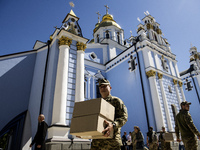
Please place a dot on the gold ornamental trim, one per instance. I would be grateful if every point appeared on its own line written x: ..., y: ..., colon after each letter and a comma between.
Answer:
x: 81, y: 46
x: 175, y: 81
x: 51, y: 38
x: 191, y: 59
x: 149, y: 26
x: 158, y: 31
x: 160, y: 75
x: 195, y: 56
x: 150, y: 73
x: 65, y: 41
x: 180, y: 83
x: 140, y: 28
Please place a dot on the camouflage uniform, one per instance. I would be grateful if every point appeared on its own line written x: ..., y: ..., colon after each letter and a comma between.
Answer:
x: 133, y: 138
x: 164, y: 145
x: 185, y: 124
x: 120, y: 119
x: 153, y: 142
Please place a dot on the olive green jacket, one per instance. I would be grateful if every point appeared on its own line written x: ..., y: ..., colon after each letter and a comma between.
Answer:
x: 185, y: 125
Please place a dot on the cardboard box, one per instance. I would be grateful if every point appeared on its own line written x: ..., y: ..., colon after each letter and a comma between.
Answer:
x: 168, y: 137
x: 88, y: 118
x: 94, y: 106
x: 89, y: 127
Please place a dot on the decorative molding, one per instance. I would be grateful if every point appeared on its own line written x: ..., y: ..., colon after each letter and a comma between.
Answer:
x: 159, y: 31
x: 80, y: 46
x: 160, y: 75
x: 196, y: 56
x: 180, y: 83
x: 140, y: 28
x: 51, y: 38
x: 149, y: 26
x: 65, y: 41
x: 150, y: 73
x: 175, y: 81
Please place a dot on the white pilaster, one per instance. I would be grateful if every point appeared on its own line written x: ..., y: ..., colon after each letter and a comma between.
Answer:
x: 112, y: 52
x: 165, y: 104
x: 79, y: 93
x: 155, y: 99
x: 182, y: 93
x: 148, y: 58
x: 89, y: 96
x: 198, y: 79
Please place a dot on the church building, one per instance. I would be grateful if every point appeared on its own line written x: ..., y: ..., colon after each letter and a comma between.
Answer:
x: 49, y: 79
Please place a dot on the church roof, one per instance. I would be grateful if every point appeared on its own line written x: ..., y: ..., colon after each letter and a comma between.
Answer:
x: 187, y: 71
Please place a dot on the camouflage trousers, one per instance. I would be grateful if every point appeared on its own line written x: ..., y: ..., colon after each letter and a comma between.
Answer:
x: 105, y: 144
x: 190, y: 143
x: 165, y: 146
x: 134, y: 146
x: 153, y: 146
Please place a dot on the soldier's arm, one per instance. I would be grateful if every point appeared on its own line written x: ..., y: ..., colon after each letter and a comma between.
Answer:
x: 140, y: 138
x: 177, y: 129
x: 190, y: 124
x: 122, y: 114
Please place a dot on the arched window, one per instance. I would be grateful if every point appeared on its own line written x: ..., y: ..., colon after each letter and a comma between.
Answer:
x: 107, y: 34
x: 155, y: 37
x: 174, y: 111
x: 97, y: 38
x: 118, y: 38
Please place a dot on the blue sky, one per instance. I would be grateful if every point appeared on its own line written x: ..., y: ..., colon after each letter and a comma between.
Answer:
x: 22, y: 22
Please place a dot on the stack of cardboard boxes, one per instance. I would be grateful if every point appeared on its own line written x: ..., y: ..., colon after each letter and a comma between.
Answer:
x: 88, y: 118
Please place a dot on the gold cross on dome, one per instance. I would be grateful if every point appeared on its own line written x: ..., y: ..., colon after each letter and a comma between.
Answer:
x: 106, y: 8
x: 98, y: 16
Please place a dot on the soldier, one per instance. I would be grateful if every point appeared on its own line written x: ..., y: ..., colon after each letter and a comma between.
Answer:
x: 120, y: 119
x: 185, y: 124
x: 133, y: 138
x: 152, y: 140
x: 164, y: 145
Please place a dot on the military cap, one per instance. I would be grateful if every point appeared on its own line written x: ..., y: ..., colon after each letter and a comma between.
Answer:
x: 137, y: 127
x: 103, y: 82
x: 186, y: 103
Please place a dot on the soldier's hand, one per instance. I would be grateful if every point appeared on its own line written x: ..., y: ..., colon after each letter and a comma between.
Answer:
x: 178, y: 140
x: 107, y: 131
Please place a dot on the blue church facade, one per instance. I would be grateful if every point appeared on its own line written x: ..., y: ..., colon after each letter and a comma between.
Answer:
x: 142, y: 70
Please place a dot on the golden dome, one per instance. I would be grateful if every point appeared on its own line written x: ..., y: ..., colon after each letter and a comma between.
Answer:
x: 107, y: 17
x: 107, y: 20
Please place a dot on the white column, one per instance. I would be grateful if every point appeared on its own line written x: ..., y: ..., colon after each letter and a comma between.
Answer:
x: 60, y: 95
x: 177, y: 92
x: 182, y: 93
x: 79, y: 93
x: 89, y: 96
x: 94, y: 86
x: 198, y: 79
x: 165, y: 103
x: 155, y: 99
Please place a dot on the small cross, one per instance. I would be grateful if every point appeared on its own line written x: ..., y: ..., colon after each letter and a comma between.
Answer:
x: 98, y: 16
x: 131, y: 33
x: 106, y: 8
x: 71, y: 4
